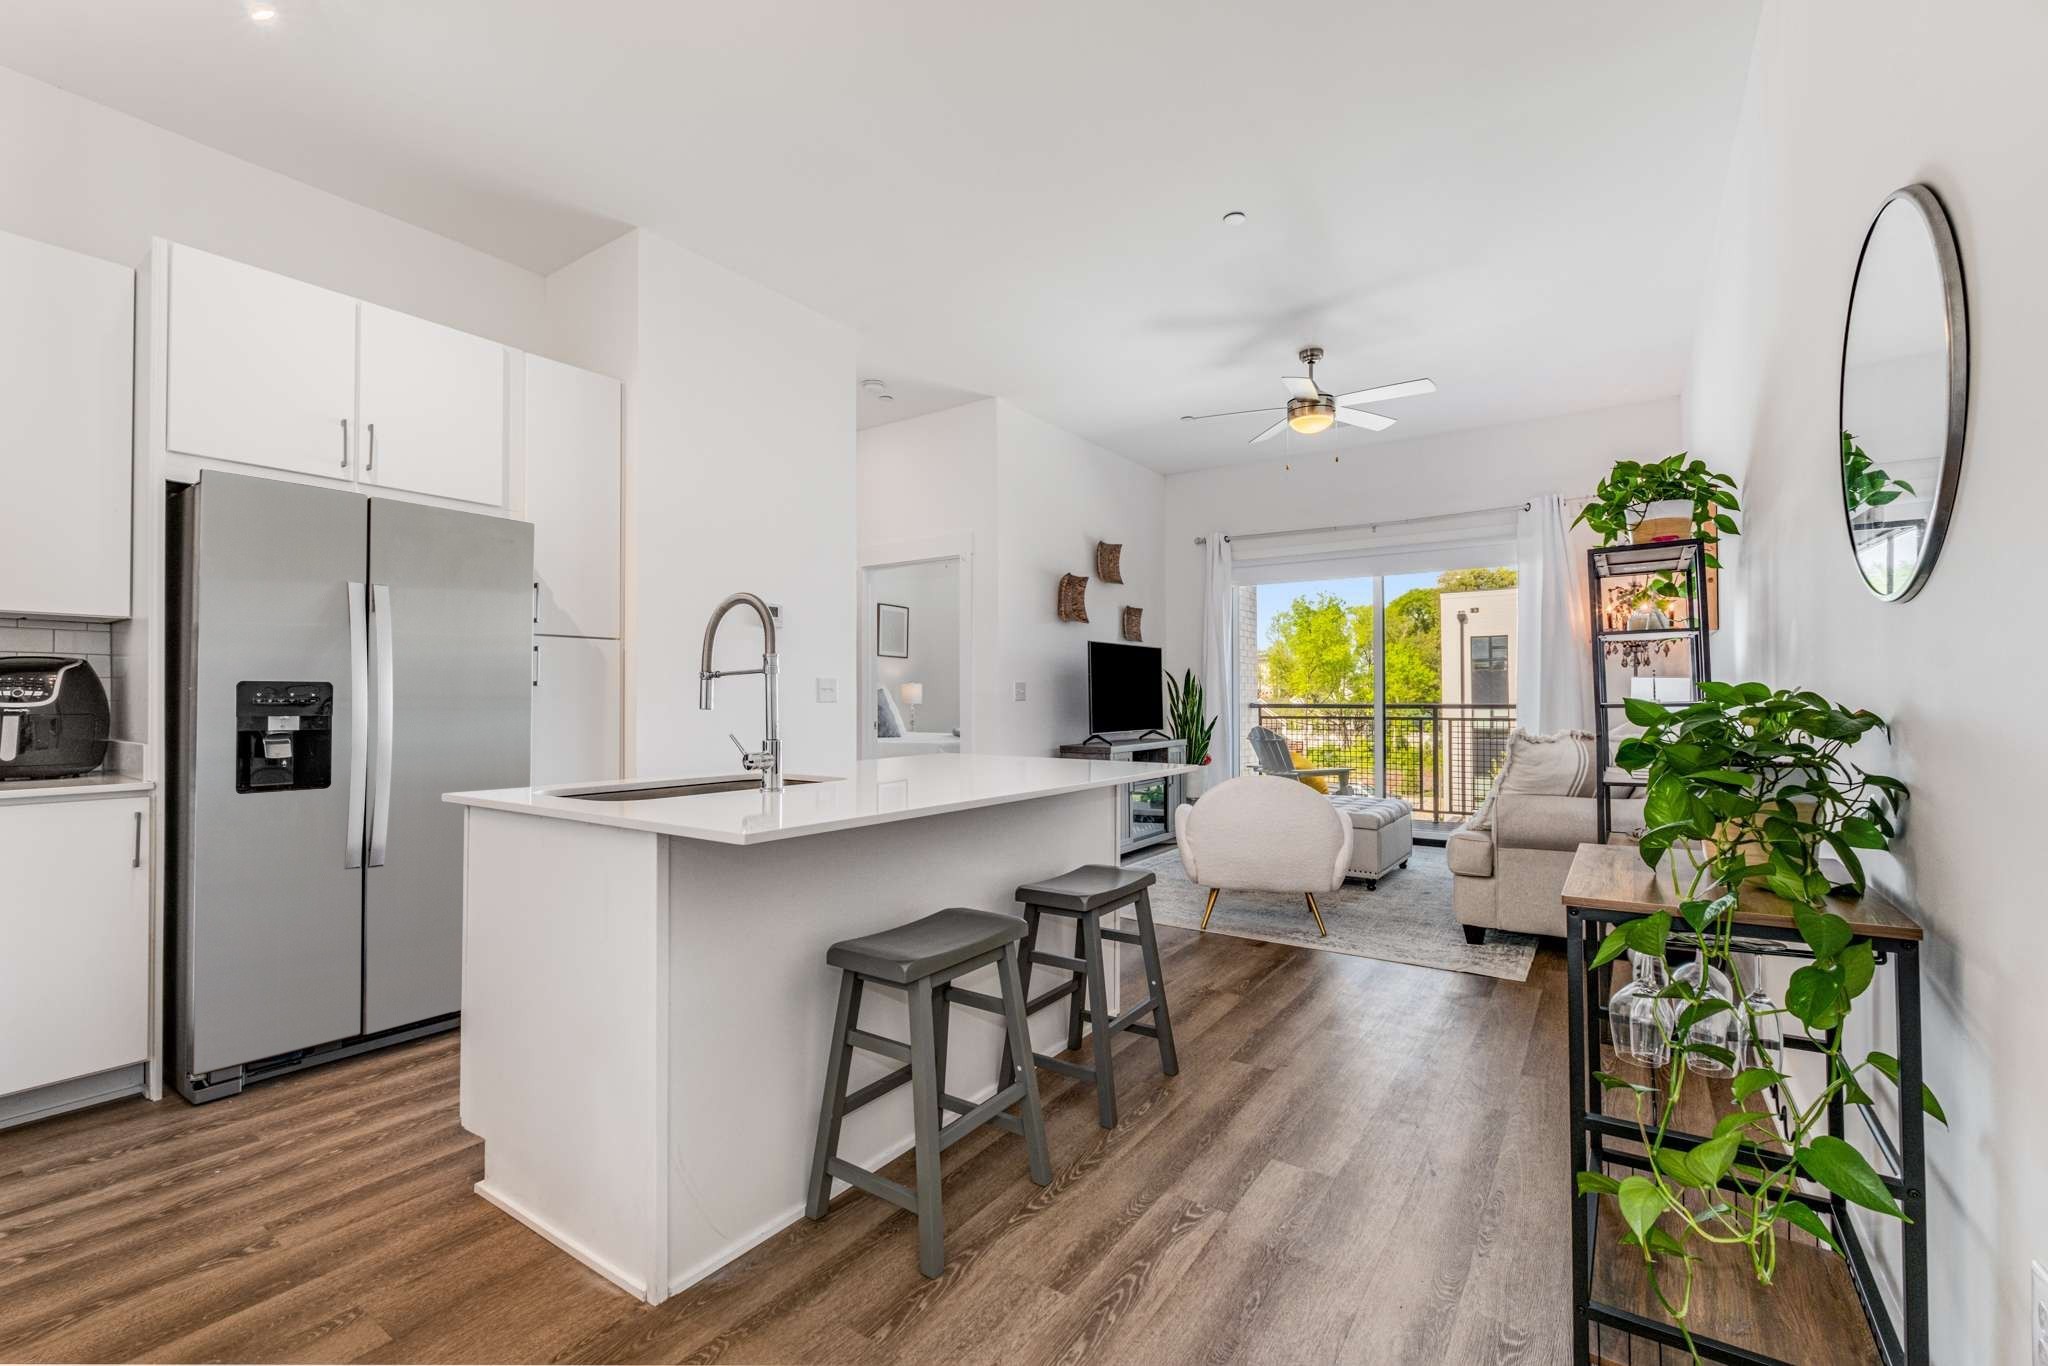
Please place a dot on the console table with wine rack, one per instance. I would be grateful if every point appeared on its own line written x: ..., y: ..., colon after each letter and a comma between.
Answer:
x: 1837, y: 1311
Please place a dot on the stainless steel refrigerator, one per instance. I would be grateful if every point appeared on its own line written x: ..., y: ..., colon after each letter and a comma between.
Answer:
x: 336, y: 662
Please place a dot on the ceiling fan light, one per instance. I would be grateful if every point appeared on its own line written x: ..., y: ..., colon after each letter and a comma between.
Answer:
x: 1309, y: 416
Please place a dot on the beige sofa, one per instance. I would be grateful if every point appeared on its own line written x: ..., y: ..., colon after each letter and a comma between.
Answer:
x: 1510, y: 876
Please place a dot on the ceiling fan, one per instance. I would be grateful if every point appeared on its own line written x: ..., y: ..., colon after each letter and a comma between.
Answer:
x: 1311, y: 410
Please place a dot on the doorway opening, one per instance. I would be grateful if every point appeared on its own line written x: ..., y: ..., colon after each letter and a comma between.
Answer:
x: 915, y: 689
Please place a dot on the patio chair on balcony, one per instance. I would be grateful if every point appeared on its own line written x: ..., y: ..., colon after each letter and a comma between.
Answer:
x: 1383, y: 827
x: 1278, y: 760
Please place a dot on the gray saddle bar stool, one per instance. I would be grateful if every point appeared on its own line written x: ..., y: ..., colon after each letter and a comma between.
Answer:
x: 924, y: 957
x: 1088, y: 893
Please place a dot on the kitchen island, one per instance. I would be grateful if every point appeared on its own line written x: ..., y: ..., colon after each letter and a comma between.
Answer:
x: 645, y: 999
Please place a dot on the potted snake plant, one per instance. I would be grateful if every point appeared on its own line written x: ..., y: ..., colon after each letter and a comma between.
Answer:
x: 1188, y: 717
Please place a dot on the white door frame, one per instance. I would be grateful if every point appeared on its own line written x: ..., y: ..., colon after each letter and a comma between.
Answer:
x: 958, y: 546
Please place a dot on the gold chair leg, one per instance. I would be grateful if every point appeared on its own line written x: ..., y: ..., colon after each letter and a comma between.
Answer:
x: 1317, y: 912
x: 1210, y: 909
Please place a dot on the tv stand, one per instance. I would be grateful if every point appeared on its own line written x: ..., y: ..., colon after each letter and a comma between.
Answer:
x: 1148, y: 806
x: 1100, y: 740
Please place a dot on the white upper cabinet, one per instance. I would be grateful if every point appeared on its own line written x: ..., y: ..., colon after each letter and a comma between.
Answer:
x: 67, y: 356
x: 433, y: 408
x: 261, y: 370
x: 572, y: 497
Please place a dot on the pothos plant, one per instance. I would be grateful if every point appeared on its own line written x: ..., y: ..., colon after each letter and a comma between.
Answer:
x: 1187, y: 712
x: 1623, y: 498
x: 1749, y: 784
x: 1863, y: 483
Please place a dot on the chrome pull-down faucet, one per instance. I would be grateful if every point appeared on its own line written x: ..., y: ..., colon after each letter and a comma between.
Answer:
x: 767, y: 761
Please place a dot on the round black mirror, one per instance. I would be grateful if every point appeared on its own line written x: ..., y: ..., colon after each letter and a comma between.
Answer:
x: 1905, y: 392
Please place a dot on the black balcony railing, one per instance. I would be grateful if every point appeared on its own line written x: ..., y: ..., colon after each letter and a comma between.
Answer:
x: 1442, y: 757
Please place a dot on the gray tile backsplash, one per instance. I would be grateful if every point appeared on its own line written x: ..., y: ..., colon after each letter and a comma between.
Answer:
x: 90, y: 640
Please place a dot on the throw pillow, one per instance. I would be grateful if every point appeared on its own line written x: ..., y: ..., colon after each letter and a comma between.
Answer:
x: 1319, y: 782
x: 1559, y: 765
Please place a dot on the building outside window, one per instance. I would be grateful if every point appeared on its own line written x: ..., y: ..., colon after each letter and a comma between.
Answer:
x: 1490, y: 670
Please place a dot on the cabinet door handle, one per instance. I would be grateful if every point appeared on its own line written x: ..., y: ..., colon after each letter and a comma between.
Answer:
x: 137, y: 861
x: 370, y: 464
x: 536, y: 666
x: 536, y: 602
x: 344, y: 443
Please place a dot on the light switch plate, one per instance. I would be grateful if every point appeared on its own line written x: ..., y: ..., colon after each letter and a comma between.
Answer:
x: 1018, y: 696
x: 828, y: 690
x: 2037, y: 1327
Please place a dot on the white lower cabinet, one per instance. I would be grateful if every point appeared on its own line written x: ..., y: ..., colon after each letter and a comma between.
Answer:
x: 576, y: 710
x: 74, y: 939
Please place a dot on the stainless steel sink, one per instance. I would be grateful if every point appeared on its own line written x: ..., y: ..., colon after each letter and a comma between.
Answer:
x: 699, y: 788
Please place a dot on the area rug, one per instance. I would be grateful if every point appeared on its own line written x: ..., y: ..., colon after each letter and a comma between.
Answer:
x: 1406, y: 919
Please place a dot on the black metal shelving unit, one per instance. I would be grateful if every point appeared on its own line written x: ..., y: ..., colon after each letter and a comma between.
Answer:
x: 1897, y: 941
x: 1607, y: 568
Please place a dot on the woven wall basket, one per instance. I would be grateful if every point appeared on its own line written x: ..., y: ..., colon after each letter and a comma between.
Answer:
x: 1133, y: 623
x: 1109, y: 562
x: 1073, y: 597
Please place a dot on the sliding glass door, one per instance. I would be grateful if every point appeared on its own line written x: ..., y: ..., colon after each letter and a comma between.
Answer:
x: 1405, y: 682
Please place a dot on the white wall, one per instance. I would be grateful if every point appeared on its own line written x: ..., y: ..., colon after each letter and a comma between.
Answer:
x: 1849, y: 99
x: 926, y: 486
x: 740, y: 476
x: 1032, y: 500
x: 931, y: 593
x: 82, y: 176
x: 1455, y: 472
x: 593, y: 309
x: 1056, y: 496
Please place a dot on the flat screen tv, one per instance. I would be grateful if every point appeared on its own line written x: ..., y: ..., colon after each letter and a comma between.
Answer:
x: 1126, y: 689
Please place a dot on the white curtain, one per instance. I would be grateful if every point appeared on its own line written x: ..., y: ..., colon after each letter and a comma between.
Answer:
x: 1554, y: 675
x: 1219, y: 649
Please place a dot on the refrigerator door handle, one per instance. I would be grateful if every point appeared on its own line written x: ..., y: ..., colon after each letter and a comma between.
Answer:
x: 380, y: 810
x: 358, y: 722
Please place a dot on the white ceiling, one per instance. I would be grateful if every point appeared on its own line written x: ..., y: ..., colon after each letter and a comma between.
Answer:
x: 1023, y: 199
x: 908, y: 397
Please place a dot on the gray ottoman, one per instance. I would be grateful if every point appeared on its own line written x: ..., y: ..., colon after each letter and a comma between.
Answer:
x: 1382, y: 834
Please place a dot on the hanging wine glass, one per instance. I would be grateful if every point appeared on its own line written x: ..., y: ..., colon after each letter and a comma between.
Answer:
x: 1760, y: 1013
x: 1638, y: 1021
x: 1724, y: 1029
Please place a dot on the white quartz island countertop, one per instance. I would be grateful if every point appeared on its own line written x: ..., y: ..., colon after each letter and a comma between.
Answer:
x: 646, y: 996
x: 876, y: 792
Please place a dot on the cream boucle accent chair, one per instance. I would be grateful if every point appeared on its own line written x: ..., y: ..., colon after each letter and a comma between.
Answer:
x: 1263, y: 834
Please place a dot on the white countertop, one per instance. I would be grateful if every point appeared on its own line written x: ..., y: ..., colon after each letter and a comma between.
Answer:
x: 876, y: 792
x: 55, y: 789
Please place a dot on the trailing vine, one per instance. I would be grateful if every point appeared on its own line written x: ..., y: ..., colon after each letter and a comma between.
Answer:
x: 1749, y: 784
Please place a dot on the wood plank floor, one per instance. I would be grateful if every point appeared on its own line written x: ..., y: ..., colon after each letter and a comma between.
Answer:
x: 1359, y: 1162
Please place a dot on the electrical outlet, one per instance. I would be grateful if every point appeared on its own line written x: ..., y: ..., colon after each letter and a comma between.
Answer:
x: 828, y: 690
x: 1018, y: 694
x: 2038, y: 1328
